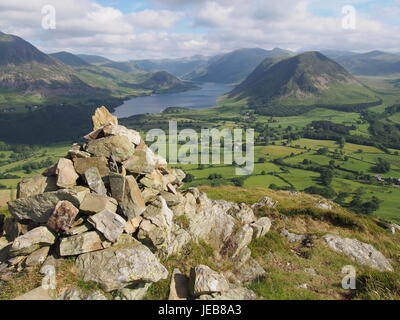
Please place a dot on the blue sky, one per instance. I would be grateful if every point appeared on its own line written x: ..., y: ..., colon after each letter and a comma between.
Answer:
x: 137, y: 29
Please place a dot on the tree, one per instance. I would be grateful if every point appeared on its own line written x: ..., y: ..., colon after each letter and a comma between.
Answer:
x: 326, y: 177
x: 262, y: 160
x: 322, y: 151
x: 214, y: 176
x: 381, y: 166
x: 238, y: 181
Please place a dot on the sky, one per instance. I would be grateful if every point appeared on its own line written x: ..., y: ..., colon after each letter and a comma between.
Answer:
x: 150, y: 29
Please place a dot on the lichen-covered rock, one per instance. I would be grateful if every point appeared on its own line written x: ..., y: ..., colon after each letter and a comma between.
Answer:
x: 117, y: 130
x: 81, y: 243
x: 360, y: 252
x: 31, y: 241
x: 204, y: 280
x: 261, y: 227
x: 120, y: 266
x: 32, y: 186
x: 133, y: 292
x: 95, y: 182
x: 39, y: 208
x: 37, y: 257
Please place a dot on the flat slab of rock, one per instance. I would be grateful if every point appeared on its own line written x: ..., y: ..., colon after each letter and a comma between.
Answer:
x: 117, y: 146
x: 95, y: 182
x: 36, y: 185
x: 40, y: 207
x: 204, y: 280
x: 81, y: 243
x: 117, y: 185
x: 37, y: 257
x: 265, y: 202
x: 66, y: 174
x: 94, y: 203
x: 83, y: 164
x: 120, y: 266
x: 110, y: 224
x: 32, y: 241
x: 360, y: 252
x: 63, y: 216
x: 235, y: 293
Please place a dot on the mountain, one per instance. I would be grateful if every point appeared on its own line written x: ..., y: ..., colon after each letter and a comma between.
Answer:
x: 70, y: 59
x: 163, y: 81
x: 306, y: 79
x: 177, y: 67
x: 233, y: 67
x: 92, y: 59
x: 27, y: 71
x: 372, y: 63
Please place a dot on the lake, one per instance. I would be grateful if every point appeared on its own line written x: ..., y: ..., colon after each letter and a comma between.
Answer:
x: 205, y: 97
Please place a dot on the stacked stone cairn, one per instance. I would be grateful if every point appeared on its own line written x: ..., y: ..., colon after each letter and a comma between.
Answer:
x: 117, y: 209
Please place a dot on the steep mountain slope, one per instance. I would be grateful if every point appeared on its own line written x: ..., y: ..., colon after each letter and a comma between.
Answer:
x: 371, y: 64
x: 69, y: 59
x: 234, y: 66
x: 25, y: 69
x: 177, y: 67
x: 306, y: 79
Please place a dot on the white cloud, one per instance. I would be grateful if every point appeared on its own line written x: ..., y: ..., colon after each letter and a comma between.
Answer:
x: 212, y: 26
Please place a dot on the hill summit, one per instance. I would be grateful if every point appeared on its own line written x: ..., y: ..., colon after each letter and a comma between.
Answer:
x: 306, y: 79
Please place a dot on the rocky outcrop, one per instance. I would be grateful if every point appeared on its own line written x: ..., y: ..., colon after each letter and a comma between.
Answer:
x: 116, y: 208
x: 360, y: 252
x: 120, y: 266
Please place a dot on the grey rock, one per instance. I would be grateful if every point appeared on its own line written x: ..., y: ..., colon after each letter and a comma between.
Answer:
x: 132, y: 204
x: 121, y: 265
x: 117, y: 185
x: 32, y: 241
x: 204, y: 280
x: 32, y: 186
x: 265, y: 202
x: 234, y: 293
x: 110, y: 224
x: 117, y: 146
x: 141, y: 162
x: 37, y: 294
x: 95, y: 182
x: 292, y: 237
x: 39, y: 208
x: 81, y: 243
x: 361, y: 252
x: 117, y: 130
x: 37, y: 257
x: 261, y: 227
x: 133, y: 292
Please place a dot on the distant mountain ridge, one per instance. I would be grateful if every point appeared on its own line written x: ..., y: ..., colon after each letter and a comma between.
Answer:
x: 233, y: 67
x: 306, y: 79
x: 372, y: 63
